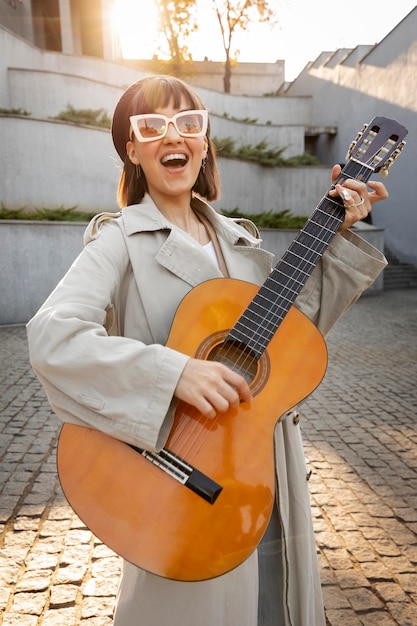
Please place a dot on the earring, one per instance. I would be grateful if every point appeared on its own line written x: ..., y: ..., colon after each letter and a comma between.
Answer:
x: 138, y: 171
x: 203, y: 165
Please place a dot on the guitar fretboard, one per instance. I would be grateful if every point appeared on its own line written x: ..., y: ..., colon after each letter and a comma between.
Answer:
x: 261, y: 319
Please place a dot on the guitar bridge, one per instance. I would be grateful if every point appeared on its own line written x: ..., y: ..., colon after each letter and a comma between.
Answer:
x: 184, y: 473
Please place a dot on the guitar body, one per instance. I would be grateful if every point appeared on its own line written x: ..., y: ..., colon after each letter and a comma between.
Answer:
x: 146, y: 515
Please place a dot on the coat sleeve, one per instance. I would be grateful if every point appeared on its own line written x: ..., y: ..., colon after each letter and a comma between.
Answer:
x: 349, y: 266
x: 116, y: 384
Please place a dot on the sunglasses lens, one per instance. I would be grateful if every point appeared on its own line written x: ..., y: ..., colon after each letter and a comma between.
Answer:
x: 151, y: 127
x: 190, y: 123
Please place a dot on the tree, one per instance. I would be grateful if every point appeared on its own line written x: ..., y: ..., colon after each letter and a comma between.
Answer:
x: 177, y: 21
x: 235, y: 15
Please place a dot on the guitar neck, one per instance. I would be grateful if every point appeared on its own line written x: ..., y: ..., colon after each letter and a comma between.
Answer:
x: 261, y: 319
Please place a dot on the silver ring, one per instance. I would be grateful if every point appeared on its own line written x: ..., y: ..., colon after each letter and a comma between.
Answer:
x: 346, y: 197
x: 362, y: 200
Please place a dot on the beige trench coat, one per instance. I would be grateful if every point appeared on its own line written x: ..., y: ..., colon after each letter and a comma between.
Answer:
x: 134, y: 271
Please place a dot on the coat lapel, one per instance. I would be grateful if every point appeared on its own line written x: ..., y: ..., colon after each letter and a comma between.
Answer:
x: 159, y: 252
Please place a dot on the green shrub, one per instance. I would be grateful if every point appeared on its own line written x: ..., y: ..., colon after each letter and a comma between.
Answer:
x: 270, y: 219
x: 89, y: 117
x: 261, y: 154
x: 60, y: 214
x: 267, y: 219
x: 14, y: 111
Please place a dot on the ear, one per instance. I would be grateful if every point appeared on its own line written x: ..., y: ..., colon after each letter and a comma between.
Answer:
x: 131, y: 152
x: 206, y: 145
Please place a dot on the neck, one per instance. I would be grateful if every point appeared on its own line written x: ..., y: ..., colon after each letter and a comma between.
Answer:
x: 177, y: 209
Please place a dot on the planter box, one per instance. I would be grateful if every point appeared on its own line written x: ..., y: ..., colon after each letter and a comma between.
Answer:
x: 34, y: 256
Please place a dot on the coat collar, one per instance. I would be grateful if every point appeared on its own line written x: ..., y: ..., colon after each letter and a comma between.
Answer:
x: 145, y: 217
x: 185, y: 258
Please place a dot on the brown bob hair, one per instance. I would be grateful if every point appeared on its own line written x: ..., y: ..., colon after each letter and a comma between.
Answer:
x: 145, y: 96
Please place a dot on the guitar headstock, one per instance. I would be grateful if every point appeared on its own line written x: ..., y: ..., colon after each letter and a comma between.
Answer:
x: 378, y: 144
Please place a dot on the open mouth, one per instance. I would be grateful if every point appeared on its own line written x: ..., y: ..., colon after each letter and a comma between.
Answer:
x: 174, y: 160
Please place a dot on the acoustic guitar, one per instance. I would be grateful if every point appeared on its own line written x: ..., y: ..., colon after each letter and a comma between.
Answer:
x: 199, y: 507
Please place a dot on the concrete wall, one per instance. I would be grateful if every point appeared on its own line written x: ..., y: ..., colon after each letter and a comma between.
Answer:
x: 248, y: 79
x: 34, y: 256
x: 17, y: 16
x: 51, y: 164
x: 25, y: 87
x: 33, y: 259
x: 378, y: 81
x: 47, y: 163
x: 281, y: 111
x: 250, y: 188
x: 29, y: 86
x: 19, y: 54
x: 290, y: 138
x: 338, y: 90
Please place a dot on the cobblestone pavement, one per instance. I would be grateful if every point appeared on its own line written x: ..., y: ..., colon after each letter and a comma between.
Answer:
x: 361, y: 445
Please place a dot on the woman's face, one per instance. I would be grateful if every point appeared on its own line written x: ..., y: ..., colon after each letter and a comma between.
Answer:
x: 171, y: 164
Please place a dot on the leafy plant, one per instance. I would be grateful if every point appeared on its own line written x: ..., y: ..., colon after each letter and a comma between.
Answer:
x: 59, y: 214
x: 261, y: 153
x: 14, y: 111
x: 89, y: 117
x: 270, y: 219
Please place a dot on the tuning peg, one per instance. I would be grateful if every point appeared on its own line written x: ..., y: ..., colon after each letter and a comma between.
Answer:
x: 394, y: 156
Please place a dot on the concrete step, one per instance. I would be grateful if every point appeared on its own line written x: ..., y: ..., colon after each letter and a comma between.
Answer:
x: 399, y: 275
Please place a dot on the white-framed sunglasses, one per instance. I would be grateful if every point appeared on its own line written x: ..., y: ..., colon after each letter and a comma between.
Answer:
x: 152, y: 126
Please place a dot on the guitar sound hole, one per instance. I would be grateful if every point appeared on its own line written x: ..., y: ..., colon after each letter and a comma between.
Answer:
x: 238, y: 357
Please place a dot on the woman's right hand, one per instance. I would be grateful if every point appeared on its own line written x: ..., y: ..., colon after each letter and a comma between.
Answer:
x: 211, y: 387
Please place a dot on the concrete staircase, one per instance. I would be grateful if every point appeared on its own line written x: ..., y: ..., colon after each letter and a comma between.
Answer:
x: 399, y: 275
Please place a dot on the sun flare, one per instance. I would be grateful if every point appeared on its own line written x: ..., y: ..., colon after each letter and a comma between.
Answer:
x: 136, y: 23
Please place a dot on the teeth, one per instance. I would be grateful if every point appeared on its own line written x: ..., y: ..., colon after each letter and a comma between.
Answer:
x: 173, y: 157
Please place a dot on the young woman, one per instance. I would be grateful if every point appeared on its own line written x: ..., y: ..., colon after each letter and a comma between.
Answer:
x: 132, y: 274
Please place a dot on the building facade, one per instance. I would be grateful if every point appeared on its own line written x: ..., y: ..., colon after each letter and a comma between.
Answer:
x: 60, y: 52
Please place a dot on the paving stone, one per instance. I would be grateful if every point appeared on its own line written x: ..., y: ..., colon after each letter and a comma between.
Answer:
x: 63, y: 595
x: 335, y: 598
x: 342, y: 617
x: 32, y: 603
x: 38, y: 581
x: 360, y: 436
x: 377, y: 618
x: 19, y: 619
x: 364, y: 600
x: 60, y: 617
x: 350, y: 579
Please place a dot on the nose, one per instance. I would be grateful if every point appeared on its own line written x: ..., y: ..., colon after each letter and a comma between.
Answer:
x: 172, y: 134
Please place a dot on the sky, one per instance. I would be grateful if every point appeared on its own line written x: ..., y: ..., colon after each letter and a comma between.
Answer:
x: 305, y: 28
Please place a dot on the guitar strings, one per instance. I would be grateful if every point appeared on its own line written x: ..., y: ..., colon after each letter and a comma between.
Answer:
x: 191, y: 424
x: 282, y: 301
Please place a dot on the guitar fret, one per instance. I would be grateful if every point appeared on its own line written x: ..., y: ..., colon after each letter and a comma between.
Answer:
x: 264, y: 314
x: 284, y: 286
x: 299, y: 256
x: 284, y: 261
x: 329, y: 230
x: 258, y: 318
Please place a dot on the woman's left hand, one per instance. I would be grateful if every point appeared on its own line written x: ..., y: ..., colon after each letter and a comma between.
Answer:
x: 358, y: 200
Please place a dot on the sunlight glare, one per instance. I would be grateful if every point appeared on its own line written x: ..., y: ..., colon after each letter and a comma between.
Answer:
x: 136, y: 23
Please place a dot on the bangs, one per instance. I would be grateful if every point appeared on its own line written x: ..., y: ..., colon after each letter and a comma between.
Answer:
x: 160, y: 92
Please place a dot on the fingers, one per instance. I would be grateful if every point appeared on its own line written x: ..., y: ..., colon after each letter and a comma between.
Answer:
x: 379, y: 191
x: 356, y: 196
x: 357, y: 206
x: 211, y: 387
x: 336, y: 169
